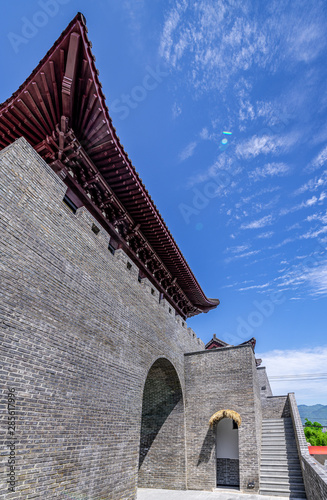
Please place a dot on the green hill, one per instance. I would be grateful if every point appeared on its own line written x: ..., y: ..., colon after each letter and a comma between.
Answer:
x: 314, y: 413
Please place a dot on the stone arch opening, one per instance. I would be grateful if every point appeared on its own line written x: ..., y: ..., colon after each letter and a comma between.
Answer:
x: 227, y: 423
x: 162, y: 443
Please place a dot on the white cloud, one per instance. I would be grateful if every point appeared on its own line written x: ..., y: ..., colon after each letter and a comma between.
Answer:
x: 319, y: 160
x: 217, y: 39
x: 188, y: 151
x: 254, y: 287
x: 312, y: 184
x: 220, y: 40
x: 301, y: 364
x: 257, y: 224
x: 269, y: 170
x: 268, y: 234
x: 266, y: 144
x: 237, y: 249
x: 305, y: 204
x: 170, y: 25
x: 322, y: 217
x: 223, y: 170
x: 309, y: 276
x: 242, y: 255
x: 204, y: 134
x: 314, y: 233
x: 176, y: 110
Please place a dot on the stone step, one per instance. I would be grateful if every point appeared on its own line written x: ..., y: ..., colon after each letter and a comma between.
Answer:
x: 274, y: 485
x: 282, y: 471
x: 280, y: 430
x: 279, y: 454
x: 281, y: 437
x: 293, y: 488
x: 277, y: 426
x: 277, y: 479
x: 281, y: 493
x: 281, y: 463
x: 273, y: 444
x: 278, y: 450
x: 278, y: 442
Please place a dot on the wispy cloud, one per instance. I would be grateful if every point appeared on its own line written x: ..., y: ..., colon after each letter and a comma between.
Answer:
x: 313, y: 184
x: 176, y: 110
x: 314, y: 233
x: 254, y: 287
x: 214, y: 40
x: 266, y: 144
x: 237, y: 249
x: 305, y: 204
x: 224, y: 168
x: 188, y: 151
x: 259, y: 223
x: 242, y: 255
x: 319, y: 160
x: 267, y: 234
x: 221, y: 41
x: 269, y: 170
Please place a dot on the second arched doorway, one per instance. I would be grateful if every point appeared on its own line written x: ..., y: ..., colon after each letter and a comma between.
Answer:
x: 226, y: 423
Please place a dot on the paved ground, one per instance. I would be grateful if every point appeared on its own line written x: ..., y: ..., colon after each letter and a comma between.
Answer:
x: 150, y: 494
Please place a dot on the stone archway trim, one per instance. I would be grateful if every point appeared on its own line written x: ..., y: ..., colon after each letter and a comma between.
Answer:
x: 219, y: 415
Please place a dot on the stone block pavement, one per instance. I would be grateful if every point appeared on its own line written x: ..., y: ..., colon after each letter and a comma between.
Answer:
x: 223, y: 494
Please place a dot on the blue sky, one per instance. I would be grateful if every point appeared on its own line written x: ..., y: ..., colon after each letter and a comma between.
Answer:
x: 247, y: 208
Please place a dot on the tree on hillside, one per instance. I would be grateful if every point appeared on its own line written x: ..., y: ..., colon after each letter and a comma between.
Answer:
x: 313, y: 433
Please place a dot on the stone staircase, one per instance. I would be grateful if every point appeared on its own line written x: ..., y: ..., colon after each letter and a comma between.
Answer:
x: 280, y: 473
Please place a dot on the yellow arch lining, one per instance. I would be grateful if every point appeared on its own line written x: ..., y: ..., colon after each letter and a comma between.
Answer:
x: 216, y: 417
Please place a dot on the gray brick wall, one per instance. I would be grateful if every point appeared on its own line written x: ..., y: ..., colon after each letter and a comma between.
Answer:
x: 221, y: 379
x: 314, y: 474
x: 162, y: 459
x: 228, y: 472
x: 275, y: 407
x: 79, y: 334
x: 264, y: 384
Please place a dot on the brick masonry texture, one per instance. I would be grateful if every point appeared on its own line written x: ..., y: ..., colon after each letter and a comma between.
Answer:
x: 275, y: 407
x: 314, y: 474
x: 111, y: 387
x: 162, y: 458
x: 79, y: 336
x: 215, y: 380
x: 228, y: 472
x: 265, y: 389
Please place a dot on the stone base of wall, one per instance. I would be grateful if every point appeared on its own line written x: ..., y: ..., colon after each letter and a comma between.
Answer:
x: 228, y: 472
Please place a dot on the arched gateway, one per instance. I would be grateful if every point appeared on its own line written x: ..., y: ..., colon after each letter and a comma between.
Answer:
x: 162, y: 443
x: 226, y: 424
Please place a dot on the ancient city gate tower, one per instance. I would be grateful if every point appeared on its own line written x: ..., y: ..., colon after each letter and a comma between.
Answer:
x: 112, y: 389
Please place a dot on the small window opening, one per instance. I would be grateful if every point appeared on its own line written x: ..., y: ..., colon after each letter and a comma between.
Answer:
x: 183, y: 323
x: 152, y: 291
x: 169, y: 310
x: 111, y: 249
x: 129, y: 266
x: 263, y: 388
x: 139, y: 279
x: 235, y: 426
x: 70, y: 204
x: 95, y: 229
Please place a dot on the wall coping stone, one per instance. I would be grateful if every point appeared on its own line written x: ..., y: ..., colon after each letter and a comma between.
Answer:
x: 207, y: 351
